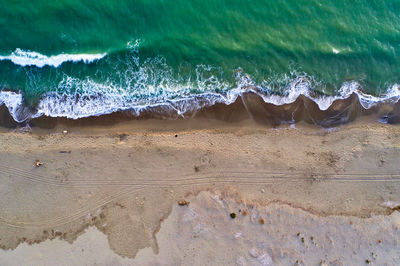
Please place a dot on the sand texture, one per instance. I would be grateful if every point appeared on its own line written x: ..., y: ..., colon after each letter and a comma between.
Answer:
x: 203, y: 233
x: 338, y: 186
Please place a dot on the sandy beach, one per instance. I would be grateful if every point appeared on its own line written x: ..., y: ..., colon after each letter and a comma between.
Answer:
x: 118, y: 187
x: 180, y: 132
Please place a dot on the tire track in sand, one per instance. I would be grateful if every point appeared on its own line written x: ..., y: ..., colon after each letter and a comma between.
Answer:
x: 228, y: 175
x: 186, y: 179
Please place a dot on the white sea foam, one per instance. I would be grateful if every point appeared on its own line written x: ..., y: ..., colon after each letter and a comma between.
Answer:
x: 14, y: 103
x: 79, y: 106
x: 302, y: 85
x: 324, y: 102
x: 94, y: 99
x: 29, y: 58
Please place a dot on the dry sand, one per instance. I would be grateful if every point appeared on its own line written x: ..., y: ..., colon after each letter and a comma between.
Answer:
x: 126, y: 179
x: 203, y: 233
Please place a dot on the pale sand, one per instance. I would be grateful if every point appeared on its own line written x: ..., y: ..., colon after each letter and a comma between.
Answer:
x: 90, y: 248
x: 204, y: 234
x: 125, y: 180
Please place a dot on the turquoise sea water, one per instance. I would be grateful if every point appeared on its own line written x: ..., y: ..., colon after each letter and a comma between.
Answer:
x: 80, y: 57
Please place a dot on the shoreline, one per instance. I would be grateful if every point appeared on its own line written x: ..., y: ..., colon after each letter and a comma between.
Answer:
x: 326, y: 111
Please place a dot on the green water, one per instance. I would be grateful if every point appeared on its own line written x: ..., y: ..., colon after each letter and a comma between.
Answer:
x: 186, y: 47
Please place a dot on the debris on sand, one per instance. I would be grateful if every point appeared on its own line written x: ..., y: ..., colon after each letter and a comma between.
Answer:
x: 38, y: 163
x: 122, y: 136
x: 233, y: 215
x: 65, y: 132
x: 262, y: 221
x: 183, y: 202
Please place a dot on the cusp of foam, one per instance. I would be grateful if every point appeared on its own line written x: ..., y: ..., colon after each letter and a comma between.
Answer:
x: 28, y: 58
x: 77, y: 98
x: 14, y: 102
x: 100, y: 99
x: 11, y: 99
x: 302, y: 85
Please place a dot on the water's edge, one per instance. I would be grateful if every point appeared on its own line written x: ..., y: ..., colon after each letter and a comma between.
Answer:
x: 236, y: 105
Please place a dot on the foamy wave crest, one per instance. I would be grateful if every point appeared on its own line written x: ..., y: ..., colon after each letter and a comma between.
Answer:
x: 28, y: 58
x: 324, y: 102
x: 96, y: 99
x: 302, y: 85
x: 151, y: 85
x: 77, y: 106
x: 14, y: 103
x: 85, y: 98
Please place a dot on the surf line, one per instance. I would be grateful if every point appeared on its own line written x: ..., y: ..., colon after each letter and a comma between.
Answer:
x: 29, y: 58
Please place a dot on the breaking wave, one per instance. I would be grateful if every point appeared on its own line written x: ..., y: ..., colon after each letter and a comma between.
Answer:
x: 28, y: 58
x: 103, y: 100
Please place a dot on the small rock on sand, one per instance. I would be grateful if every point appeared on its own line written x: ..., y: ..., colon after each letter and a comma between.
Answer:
x: 183, y: 202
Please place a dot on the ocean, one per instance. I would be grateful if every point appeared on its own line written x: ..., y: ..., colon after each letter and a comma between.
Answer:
x: 82, y: 58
